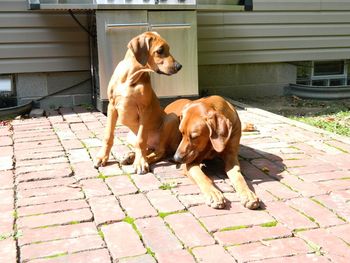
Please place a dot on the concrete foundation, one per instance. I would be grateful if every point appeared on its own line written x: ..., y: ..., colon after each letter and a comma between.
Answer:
x: 246, y: 80
x: 33, y: 86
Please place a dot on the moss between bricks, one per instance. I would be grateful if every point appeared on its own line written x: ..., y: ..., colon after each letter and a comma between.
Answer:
x: 230, y: 228
x: 131, y: 221
x: 165, y: 214
x: 269, y: 224
x: 321, y: 204
x: 57, y: 255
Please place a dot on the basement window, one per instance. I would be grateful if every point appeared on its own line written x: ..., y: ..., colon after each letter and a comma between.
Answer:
x: 323, y: 73
x: 6, y: 85
x: 7, y: 91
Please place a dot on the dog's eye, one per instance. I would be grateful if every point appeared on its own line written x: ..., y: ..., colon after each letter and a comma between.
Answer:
x: 160, y: 51
x: 194, y: 136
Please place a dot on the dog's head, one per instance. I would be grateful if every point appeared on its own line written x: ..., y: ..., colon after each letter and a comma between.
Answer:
x: 202, y: 129
x: 152, y: 50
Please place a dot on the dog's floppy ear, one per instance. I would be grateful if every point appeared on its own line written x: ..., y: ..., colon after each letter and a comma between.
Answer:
x: 220, y: 129
x: 140, y: 48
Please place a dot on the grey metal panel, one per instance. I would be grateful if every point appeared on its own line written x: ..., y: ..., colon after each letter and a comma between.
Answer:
x: 40, y: 41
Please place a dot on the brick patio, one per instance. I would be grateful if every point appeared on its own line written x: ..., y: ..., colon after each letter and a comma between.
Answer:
x: 55, y: 207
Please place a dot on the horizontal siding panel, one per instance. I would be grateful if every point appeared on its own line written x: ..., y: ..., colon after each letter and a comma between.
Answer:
x: 43, y: 50
x: 210, y: 18
x: 273, y: 30
x: 289, y: 5
x: 35, y: 35
x: 216, y: 58
x: 300, y: 5
x: 13, y: 5
x: 281, y: 18
x: 286, y: 30
x: 29, y: 19
x: 44, y: 64
x: 335, y: 5
x: 246, y: 44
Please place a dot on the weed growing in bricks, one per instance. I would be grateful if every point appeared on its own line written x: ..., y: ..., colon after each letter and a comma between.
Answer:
x: 57, y: 255
x: 150, y: 252
x: 101, y: 176
x: 167, y: 186
x: 100, y: 233
x: 131, y: 221
x: 321, y: 204
x: 230, y: 228
x: 316, y: 248
x: 269, y: 224
x: 165, y: 214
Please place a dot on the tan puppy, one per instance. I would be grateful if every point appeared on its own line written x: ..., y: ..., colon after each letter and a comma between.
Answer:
x: 211, y: 128
x: 133, y: 103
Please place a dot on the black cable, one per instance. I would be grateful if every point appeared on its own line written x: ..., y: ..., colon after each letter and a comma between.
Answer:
x: 70, y: 87
x: 80, y: 24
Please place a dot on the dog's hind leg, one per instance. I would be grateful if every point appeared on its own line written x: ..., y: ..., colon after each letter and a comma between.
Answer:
x: 103, y: 154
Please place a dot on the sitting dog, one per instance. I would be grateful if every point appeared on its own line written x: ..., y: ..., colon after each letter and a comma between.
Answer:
x: 210, y: 128
x: 133, y: 103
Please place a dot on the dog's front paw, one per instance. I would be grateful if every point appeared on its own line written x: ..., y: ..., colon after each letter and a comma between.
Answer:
x: 250, y: 200
x: 214, y: 198
x: 100, y: 160
x: 127, y: 159
x: 140, y: 165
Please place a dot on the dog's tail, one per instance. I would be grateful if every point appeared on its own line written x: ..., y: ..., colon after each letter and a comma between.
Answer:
x: 248, y: 127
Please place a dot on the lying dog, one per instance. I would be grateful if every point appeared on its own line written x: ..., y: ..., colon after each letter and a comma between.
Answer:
x: 133, y: 103
x: 210, y: 128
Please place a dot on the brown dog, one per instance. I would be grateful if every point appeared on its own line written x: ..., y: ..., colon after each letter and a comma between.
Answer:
x: 133, y: 103
x: 211, y: 128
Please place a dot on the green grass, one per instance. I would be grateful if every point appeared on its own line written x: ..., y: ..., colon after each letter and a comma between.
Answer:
x: 315, y: 247
x: 165, y: 214
x: 233, y: 228
x: 57, y: 255
x: 269, y: 224
x: 338, y: 123
x: 167, y: 186
x: 150, y: 252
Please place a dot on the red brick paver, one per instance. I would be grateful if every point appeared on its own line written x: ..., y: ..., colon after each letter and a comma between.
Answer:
x: 56, y: 207
x: 122, y: 240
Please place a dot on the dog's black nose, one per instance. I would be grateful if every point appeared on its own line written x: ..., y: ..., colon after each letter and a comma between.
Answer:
x: 177, y: 158
x: 178, y: 66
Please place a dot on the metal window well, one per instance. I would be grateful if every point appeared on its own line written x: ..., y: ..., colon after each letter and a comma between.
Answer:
x: 320, y: 92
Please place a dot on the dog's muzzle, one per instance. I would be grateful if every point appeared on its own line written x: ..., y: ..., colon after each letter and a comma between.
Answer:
x: 178, y: 158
